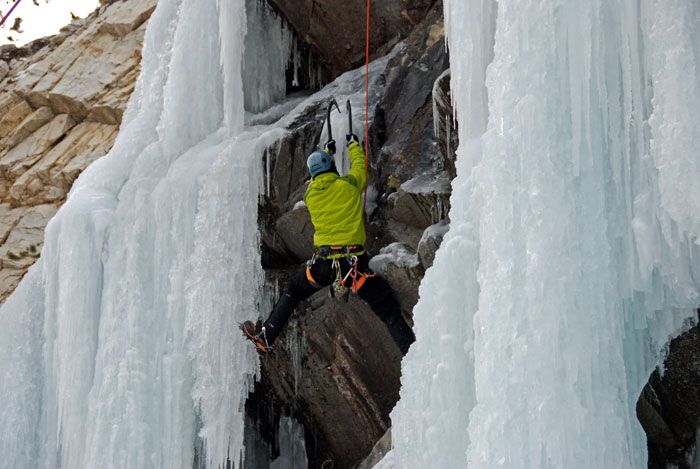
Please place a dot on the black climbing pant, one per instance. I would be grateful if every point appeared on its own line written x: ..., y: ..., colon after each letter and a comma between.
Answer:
x: 375, y: 291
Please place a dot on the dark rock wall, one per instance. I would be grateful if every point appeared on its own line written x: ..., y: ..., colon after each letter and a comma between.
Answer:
x: 336, y: 30
x: 338, y: 372
x: 335, y: 368
x: 402, y: 141
x: 669, y: 406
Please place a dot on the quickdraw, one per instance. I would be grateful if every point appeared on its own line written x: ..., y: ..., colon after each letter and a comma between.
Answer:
x: 358, y: 278
x: 338, y: 286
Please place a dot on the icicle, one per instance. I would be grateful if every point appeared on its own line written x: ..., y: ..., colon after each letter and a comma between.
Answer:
x: 290, y: 435
x: 436, y: 115
x: 267, y: 54
x: 448, y: 126
x: 268, y: 157
x: 438, y: 101
x: 295, y: 63
x: 297, y: 345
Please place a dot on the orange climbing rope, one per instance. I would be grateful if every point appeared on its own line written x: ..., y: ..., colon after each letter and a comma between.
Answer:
x: 364, y: 205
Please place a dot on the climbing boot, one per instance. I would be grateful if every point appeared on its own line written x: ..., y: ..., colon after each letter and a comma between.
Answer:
x: 256, y: 334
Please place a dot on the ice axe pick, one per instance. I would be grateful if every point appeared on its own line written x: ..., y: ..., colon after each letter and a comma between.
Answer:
x: 328, y: 118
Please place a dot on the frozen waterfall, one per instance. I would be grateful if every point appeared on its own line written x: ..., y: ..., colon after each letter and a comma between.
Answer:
x: 120, y: 348
x: 570, y: 261
x: 572, y: 255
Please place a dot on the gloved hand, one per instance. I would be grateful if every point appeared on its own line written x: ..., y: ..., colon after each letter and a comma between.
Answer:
x: 330, y: 147
x: 351, y: 138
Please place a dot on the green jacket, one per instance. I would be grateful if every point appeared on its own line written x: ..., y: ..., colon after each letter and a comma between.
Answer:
x: 335, y: 204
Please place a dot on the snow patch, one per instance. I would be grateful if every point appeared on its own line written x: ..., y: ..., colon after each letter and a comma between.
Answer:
x: 397, y: 254
x: 438, y: 230
x: 428, y: 183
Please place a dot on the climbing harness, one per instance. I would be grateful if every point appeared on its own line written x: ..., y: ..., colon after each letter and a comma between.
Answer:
x: 325, y: 252
x: 310, y: 278
x: 9, y: 12
x: 339, y: 284
x: 358, y: 278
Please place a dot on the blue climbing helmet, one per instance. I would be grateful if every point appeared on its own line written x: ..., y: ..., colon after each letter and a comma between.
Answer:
x: 319, y: 162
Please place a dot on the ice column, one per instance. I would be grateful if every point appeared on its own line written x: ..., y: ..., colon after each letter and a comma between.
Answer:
x: 572, y: 255
x: 120, y: 348
x: 429, y: 423
x: 268, y: 53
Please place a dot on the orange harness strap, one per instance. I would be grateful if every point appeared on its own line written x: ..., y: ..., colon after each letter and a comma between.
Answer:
x: 311, y: 279
x: 358, y: 278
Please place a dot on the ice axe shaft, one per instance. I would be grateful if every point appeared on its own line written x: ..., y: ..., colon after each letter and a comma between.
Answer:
x: 328, y: 118
x: 349, y: 107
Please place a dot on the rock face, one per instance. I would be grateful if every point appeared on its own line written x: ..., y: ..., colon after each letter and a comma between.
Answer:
x: 336, y: 30
x: 669, y: 407
x: 336, y: 369
x: 62, y: 102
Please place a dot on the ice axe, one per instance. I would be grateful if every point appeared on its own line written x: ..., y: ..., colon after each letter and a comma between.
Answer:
x: 349, y: 107
x: 328, y: 118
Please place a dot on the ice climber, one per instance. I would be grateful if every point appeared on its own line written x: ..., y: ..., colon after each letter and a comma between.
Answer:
x: 335, y: 205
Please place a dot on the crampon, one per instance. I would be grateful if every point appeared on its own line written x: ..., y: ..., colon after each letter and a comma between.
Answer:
x: 256, y: 334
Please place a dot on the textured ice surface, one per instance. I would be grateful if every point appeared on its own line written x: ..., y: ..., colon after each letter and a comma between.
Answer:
x: 131, y: 351
x: 130, y: 344
x: 387, y: 462
x: 572, y: 253
x: 292, y: 446
x: 438, y: 230
x: 268, y: 46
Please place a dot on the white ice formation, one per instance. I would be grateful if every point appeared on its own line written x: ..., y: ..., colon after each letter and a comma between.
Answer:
x: 572, y: 255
